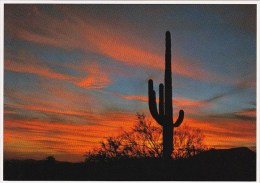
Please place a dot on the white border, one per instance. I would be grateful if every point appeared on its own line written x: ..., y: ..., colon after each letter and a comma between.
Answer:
x: 126, y: 2
x: 119, y: 2
x: 2, y: 89
x: 258, y: 91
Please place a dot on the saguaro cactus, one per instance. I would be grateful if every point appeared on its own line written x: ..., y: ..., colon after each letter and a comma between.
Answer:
x: 164, y: 117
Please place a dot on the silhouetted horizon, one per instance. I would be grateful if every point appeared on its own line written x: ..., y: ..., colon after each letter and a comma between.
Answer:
x: 237, y: 164
x: 253, y: 149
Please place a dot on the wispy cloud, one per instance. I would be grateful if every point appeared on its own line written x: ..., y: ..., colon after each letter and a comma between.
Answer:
x: 97, y: 77
x: 178, y: 102
x: 32, y: 134
x: 236, y: 89
x: 28, y: 64
x: 93, y: 76
x: 225, y: 130
x: 118, y: 45
x: 245, y: 115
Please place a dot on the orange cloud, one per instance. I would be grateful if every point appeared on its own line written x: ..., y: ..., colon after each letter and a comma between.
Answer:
x: 96, y: 78
x: 32, y: 66
x: 249, y: 113
x: 43, y: 137
x: 189, y: 102
x: 35, y: 136
x: 55, y: 91
x: 101, y: 38
x: 56, y: 106
x: 137, y: 98
x: 50, y: 110
x: 177, y: 101
x: 60, y: 139
x: 224, y: 132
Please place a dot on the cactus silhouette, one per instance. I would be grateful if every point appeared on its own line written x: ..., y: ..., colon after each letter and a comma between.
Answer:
x: 165, y: 117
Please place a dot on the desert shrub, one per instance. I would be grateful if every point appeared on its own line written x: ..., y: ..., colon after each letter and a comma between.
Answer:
x: 145, y: 140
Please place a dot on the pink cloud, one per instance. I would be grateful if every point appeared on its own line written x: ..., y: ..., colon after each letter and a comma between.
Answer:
x: 96, y: 78
x: 74, y: 33
x: 43, y: 137
x: 29, y: 64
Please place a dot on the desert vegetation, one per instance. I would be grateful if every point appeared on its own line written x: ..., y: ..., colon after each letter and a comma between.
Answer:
x: 145, y: 140
x: 137, y: 154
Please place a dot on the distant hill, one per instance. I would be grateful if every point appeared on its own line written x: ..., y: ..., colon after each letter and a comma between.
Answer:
x: 237, y: 164
x: 226, y: 164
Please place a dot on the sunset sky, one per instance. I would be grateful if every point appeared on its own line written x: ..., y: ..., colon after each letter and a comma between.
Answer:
x: 75, y: 74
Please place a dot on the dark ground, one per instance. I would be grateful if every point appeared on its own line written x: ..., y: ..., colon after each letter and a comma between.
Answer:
x: 238, y: 164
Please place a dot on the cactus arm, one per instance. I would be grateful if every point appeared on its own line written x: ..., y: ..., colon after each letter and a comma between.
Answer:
x: 152, y: 103
x: 164, y: 116
x: 180, y: 119
x: 161, y: 102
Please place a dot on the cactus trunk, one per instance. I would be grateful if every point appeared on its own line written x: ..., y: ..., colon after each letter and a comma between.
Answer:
x: 165, y: 115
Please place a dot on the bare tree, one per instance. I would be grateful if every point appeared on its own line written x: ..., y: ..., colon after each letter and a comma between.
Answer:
x: 145, y: 140
x: 188, y: 142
